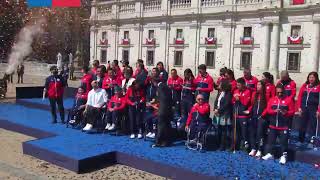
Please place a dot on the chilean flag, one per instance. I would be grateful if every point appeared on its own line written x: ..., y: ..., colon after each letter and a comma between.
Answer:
x: 54, y: 3
x: 296, y: 2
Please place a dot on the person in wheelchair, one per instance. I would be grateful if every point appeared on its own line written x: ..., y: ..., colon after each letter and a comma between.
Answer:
x: 78, y: 107
x: 151, y: 118
x: 198, y: 120
x: 97, y: 99
x: 115, y: 110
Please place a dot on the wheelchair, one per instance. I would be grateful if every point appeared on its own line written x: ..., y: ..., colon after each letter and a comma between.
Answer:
x: 204, y: 140
x: 98, y: 126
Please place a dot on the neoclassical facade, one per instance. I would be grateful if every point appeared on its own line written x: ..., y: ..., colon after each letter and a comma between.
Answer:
x: 264, y: 35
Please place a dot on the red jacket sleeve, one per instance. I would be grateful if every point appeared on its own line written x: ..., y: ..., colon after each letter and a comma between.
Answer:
x: 303, y: 87
x: 252, y: 101
x: 269, y: 108
x: 129, y: 92
x: 143, y: 95
x: 294, y: 89
x: 193, y: 109
x: 110, y: 103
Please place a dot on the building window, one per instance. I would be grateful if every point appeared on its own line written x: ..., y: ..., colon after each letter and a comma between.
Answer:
x: 293, y: 62
x: 247, y: 32
x: 211, y: 32
x: 295, y: 31
x: 151, y: 34
x: 210, y: 59
x: 178, y: 58
x: 125, y: 55
x: 245, y: 62
x: 179, y: 34
x: 150, y: 57
x: 103, y: 56
x: 104, y: 35
x: 126, y: 35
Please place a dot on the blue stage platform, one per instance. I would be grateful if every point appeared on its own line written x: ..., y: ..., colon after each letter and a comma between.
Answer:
x: 81, y: 152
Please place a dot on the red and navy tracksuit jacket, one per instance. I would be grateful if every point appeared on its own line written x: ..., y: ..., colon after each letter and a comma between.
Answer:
x: 106, y: 85
x: 204, y: 85
x: 277, y: 120
x: 133, y: 97
x: 244, y: 102
x: 289, y: 88
x: 55, y: 86
x: 270, y: 91
x: 251, y: 83
x: 86, y: 83
x: 175, y: 84
x: 199, y: 115
x: 308, y: 97
x: 117, y: 103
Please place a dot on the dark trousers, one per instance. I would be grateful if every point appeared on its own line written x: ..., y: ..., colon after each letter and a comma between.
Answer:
x: 224, y: 133
x: 308, y: 123
x: 59, y: 102
x: 257, y: 131
x: 20, y: 78
x: 136, y: 119
x: 92, y: 115
x: 71, y: 75
x: 150, y: 121
x: 272, y: 137
x: 197, y: 129
x: 242, y: 129
x: 186, y: 105
x: 112, y: 117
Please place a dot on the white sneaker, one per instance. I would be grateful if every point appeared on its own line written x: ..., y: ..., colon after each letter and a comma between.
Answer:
x: 267, y: 157
x: 107, y: 126
x: 112, y: 127
x: 88, y: 127
x: 72, y: 121
x: 148, y: 135
x: 252, y: 152
x: 258, y: 154
x: 132, y: 136
x: 153, y: 135
x: 139, y: 136
x: 283, y: 159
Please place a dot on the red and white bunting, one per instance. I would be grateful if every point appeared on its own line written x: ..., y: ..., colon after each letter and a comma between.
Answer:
x: 246, y: 40
x: 210, y: 40
x: 179, y: 41
x: 125, y: 41
x: 150, y: 41
x: 103, y: 41
x: 295, y: 40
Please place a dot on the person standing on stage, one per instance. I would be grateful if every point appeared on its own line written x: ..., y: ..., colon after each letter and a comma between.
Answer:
x: 54, y: 88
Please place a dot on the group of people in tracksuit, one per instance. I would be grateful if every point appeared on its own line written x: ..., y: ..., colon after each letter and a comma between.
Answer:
x: 250, y: 113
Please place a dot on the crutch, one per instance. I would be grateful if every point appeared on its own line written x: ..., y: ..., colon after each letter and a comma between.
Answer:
x: 235, y: 129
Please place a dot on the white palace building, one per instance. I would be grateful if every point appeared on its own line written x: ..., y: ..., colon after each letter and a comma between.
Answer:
x: 264, y: 35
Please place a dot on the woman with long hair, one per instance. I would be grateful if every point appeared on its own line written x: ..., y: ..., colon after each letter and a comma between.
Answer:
x: 230, y: 77
x: 269, y: 82
x: 257, y: 123
x: 308, y: 104
x: 223, y: 113
x: 187, y: 95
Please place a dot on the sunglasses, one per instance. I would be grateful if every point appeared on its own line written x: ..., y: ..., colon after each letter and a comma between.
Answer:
x: 280, y: 92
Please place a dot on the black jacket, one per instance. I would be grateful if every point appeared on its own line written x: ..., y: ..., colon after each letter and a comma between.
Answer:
x: 225, y: 108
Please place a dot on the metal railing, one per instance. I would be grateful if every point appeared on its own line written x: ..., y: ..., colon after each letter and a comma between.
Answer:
x: 154, y: 5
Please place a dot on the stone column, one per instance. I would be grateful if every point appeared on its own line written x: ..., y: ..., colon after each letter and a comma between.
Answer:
x: 274, y: 58
x: 266, y: 46
x: 316, y: 47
